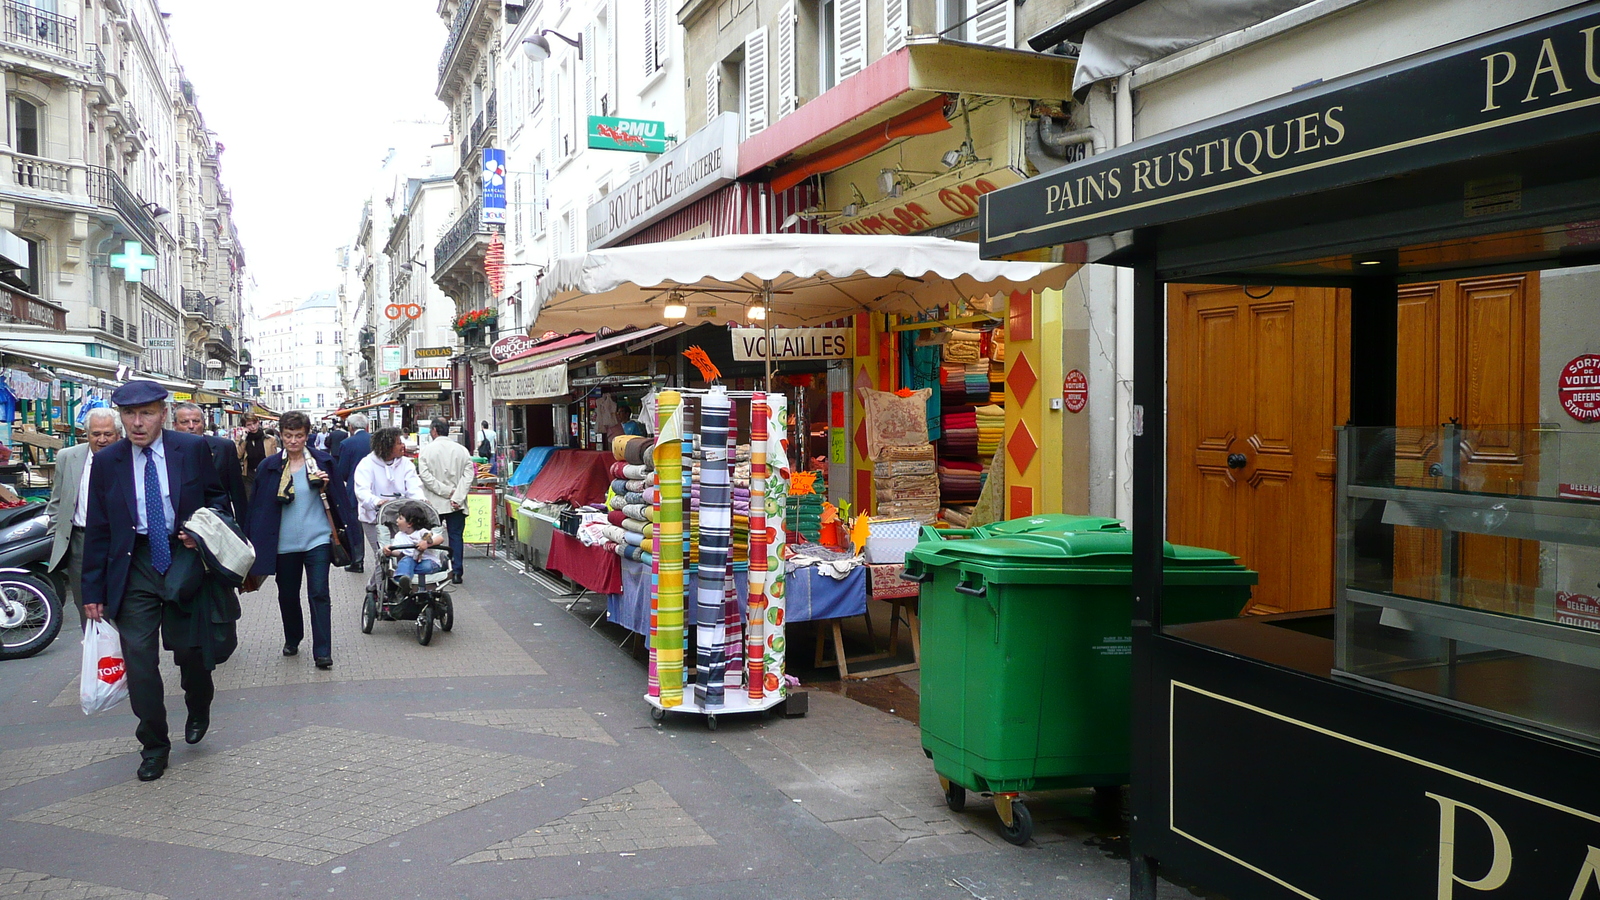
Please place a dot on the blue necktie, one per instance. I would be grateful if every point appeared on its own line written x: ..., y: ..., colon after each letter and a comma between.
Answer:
x: 155, y: 517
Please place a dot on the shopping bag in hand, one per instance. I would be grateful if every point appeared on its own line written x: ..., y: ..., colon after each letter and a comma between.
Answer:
x: 104, y: 680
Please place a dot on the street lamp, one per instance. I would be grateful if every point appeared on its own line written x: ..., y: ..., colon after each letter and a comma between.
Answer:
x: 538, y: 49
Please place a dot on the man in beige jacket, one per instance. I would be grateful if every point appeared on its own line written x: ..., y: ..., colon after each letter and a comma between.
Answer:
x: 69, y: 497
x: 447, y: 473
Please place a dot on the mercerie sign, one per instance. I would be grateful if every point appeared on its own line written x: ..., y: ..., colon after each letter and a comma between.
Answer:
x: 1460, y: 102
x: 699, y: 164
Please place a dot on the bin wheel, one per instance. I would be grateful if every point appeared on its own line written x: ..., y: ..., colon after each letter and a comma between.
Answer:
x: 657, y: 713
x: 955, y: 797
x: 711, y: 723
x: 1021, y: 827
x: 369, y: 613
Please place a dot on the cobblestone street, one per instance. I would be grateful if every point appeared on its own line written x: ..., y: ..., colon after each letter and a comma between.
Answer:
x: 513, y: 757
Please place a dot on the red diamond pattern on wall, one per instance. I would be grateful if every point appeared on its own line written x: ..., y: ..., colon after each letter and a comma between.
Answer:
x: 861, y: 440
x: 1022, y: 447
x: 1021, y: 378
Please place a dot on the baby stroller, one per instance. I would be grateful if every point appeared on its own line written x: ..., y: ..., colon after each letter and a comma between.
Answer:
x: 428, y: 602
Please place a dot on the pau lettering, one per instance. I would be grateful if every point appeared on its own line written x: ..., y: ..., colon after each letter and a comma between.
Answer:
x: 1547, y: 78
x: 1496, y: 870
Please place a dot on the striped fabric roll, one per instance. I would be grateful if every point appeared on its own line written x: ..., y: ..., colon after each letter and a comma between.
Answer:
x: 755, y: 635
x: 668, y: 637
x: 773, y: 661
x: 732, y: 630
x: 716, y: 524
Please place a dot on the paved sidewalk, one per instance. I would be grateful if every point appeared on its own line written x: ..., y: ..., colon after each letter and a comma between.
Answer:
x: 513, y: 757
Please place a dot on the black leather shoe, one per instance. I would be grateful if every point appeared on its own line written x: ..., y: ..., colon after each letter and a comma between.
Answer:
x: 195, y: 729
x: 455, y: 577
x: 151, y: 769
x: 324, y: 662
x: 291, y: 649
x: 356, y: 567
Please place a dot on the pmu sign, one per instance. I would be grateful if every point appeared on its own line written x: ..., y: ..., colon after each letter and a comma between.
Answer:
x: 636, y: 135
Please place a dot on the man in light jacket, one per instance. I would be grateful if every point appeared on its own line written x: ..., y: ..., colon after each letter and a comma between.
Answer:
x: 447, y: 473
x: 383, y: 475
x: 69, y: 498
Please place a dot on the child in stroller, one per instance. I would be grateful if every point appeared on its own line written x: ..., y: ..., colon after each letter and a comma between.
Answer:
x: 413, y: 549
x: 412, y: 573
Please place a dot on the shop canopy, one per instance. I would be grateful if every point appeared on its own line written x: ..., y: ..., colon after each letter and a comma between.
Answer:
x: 86, y: 368
x: 809, y: 278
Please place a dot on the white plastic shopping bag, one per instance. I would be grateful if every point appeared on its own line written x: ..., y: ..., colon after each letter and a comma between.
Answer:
x: 104, y: 680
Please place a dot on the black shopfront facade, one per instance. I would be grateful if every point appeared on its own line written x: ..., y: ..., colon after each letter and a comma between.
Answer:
x: 1478, y: 157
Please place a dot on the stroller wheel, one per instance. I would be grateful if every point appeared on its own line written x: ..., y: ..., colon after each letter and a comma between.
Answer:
x: 425, y: 627
x: 369, y: 612
x: 445, y: 611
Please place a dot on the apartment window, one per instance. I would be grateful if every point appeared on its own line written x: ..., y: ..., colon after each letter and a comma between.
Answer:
x: 338, y: 337
x: 657, y: 36
x: 826, y: 36
x: 25, y: 123
x: 320, y: 404
x: 319, y: 357
x: 991, y: 22
x: 26, y: 278
x: 540, y: 204
x: 319, y: 337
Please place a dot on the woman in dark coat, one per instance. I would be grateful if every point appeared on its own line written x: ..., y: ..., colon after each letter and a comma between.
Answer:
x: 289, y: 529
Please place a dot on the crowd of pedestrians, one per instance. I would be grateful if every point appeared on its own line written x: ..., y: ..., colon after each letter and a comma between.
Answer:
x: 306, y: 499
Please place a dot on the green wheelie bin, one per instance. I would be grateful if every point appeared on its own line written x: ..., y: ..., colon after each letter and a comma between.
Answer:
x: 1026, y: 651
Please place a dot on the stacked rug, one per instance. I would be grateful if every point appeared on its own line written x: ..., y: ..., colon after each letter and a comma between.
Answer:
x: 629, y: 518
x: 958, y: 432
x: 960, y: 482
x: 991, y: 421
x: 906, y: 482
x: 804, y: 518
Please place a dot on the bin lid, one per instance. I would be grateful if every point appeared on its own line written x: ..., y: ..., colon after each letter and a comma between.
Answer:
x: 1103, y: 551
x: 1053, y: 522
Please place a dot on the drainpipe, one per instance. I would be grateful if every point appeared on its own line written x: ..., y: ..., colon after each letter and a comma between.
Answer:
x: 1046, y: 146
x: 1122, y: 123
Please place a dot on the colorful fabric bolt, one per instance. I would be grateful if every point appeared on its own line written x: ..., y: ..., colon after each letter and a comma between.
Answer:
x: 668, y: 636
x: 715, y: 537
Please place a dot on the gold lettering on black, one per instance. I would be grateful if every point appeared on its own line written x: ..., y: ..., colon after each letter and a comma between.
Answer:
x: 1288, y: 144
x: 1239, y: 153
x: 1335, y: 124
x: 1591, y: 865
x: 1546, y: 64
x: 1307, y: 132
x: 1490, y: 82
x: 1588, y: 54
x: 1141, y: 176
x: 1500, y: 860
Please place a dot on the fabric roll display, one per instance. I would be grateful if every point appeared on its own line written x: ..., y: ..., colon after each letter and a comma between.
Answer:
x: 667, y: 641
x: 777, y: 488
x: 715, y: 536
x: 755, y: 636
x: 732, y: 630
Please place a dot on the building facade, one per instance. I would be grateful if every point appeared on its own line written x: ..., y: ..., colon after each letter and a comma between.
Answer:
x: 104, y: 143
x: 297, y: 349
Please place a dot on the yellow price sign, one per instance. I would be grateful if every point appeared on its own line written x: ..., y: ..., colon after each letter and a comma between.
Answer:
x: 480, y: 519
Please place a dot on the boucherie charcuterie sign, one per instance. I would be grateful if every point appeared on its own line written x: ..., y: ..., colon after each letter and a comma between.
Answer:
x: 1535, y: 83
x: 750, y: 344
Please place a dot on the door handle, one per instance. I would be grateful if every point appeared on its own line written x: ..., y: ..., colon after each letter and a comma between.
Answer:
x: 1236, y: 460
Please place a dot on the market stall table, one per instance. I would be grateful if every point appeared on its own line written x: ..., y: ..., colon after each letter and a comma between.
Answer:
x: 592, y: 568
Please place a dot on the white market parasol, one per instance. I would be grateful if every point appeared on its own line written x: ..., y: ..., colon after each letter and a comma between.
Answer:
x: 798, y: 279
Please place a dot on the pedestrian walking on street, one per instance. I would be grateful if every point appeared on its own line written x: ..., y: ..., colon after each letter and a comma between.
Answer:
x: 352, y: 450
x: 254, y: 447
x: 486, y: 439
x: 70, y: 492
x: 143, y: 572
x: 336, y: 436
x: 385, y: 474
x: 297, y: 493
x: 188, y: 417
x: 447, y: 472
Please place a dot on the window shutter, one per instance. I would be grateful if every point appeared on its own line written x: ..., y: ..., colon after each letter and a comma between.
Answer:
x: 755, y: 82
x: 650, y: 61
x: 665, y: 29
x: 591, y: 88
x: 995, y: 25
x: 787, y: 88
x: 850, y: 38
x: 713, y: 92
x: 553, y: 114
x: 540, y: 203
x: 896, y: 29
x: 572, y: 128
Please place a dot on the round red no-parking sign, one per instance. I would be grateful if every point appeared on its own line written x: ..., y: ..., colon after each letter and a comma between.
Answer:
x: 1075, y: 391
x: 1579, y: 388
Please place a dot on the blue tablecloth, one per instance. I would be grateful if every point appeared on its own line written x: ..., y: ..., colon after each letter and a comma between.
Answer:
x: 528, y: 469
x: 811, y: 595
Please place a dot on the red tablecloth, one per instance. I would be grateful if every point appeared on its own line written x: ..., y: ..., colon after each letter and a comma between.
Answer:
x: 595, y: 568
x: 578, y: 477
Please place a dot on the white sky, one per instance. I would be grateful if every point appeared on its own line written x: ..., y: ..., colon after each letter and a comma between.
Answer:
x: 307, y: 97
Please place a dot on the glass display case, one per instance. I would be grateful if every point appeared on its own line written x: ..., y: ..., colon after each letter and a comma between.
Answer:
x: 1468, y: 570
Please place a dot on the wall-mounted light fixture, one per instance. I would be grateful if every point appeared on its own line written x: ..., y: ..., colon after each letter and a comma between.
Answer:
x: 536, y: 48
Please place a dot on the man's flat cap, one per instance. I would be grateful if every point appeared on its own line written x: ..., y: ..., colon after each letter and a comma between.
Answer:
x: 138, y: 393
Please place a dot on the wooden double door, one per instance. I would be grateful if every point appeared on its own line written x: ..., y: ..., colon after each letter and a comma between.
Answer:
x: 1257, y: 381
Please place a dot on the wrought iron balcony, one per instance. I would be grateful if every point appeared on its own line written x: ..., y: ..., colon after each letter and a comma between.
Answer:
x: 194, y: 369
x: 463, y: 230
x: 478, y: 127
x: 97, y: 61
x: 41, y: 30
x: 368, y: 337
x: 458, y: 25
x: 109, y: 192
x: 196, y: 303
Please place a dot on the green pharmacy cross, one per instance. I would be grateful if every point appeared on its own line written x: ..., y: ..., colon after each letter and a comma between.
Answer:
x: 133, y: 261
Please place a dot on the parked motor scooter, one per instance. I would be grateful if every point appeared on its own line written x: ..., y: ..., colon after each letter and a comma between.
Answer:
x: 30, y: 596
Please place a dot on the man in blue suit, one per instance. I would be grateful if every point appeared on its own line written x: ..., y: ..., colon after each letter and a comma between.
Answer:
x: 189, y: 418
x: 142, y: 490
x: 349, y: 454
